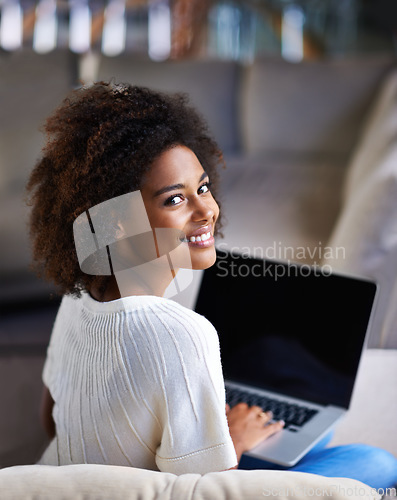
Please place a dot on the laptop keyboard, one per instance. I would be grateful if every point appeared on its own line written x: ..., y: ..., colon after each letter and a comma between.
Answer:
x: 292, y: 414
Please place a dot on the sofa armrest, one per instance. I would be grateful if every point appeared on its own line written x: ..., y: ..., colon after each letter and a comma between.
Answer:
x: 72, y: 482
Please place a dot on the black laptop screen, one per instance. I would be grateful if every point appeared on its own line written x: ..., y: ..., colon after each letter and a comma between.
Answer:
x: 286, y: 327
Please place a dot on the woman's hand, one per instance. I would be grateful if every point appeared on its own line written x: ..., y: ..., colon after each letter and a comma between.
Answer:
x: 249, y: 425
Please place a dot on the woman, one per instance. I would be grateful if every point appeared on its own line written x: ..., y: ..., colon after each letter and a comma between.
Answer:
x: 132, y: 378
x: 136, y: 380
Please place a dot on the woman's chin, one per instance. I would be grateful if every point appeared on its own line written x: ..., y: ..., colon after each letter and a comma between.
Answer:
x: 203, y: 258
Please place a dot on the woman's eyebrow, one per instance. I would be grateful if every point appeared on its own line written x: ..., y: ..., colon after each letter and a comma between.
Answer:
x: 203, y: 176
x: 166, y: 189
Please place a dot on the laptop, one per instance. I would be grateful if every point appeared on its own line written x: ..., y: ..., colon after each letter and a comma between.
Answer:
x: 291, y: 339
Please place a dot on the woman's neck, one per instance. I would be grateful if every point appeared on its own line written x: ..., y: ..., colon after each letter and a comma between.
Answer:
x: 153, y: 281
x: 111, y: 292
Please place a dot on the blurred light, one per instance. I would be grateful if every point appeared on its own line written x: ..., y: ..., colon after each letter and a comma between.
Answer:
x: 159, y: 31
x: 114, y: 29
x: 46, y: 26
x: 292, y: 33
x: 227, y: 30
x: 79, y: 26
x: 11, y: 26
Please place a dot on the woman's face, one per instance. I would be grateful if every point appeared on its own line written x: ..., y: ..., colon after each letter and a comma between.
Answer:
x: 176, y: 192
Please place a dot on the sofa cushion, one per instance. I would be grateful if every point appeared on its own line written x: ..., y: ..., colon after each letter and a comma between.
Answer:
x: 280, y: 206
x: 311, y: 106
x: 211, y: 85
x: 367, y: 225
x: 31, y: 86
x: 378, y: 135
x: 378, y: 368
x: 100, y: 482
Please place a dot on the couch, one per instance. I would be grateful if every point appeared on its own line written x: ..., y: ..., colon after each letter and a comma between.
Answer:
x: 310, y: 168
x: 295, y: 138
x: 311, y: 160
x: 105, y: 482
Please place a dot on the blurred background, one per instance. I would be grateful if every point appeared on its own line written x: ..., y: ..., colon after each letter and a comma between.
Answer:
x: 222, y: 29
x: 287, y: 88
x: 48, y: 47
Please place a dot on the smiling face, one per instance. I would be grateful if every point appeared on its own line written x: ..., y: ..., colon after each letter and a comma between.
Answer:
x: 177, y: 194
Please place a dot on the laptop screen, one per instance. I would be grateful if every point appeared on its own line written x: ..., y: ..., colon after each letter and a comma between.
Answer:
x: 293, y: 329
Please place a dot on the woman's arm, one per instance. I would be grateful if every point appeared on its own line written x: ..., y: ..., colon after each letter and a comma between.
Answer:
x: 46, y: 407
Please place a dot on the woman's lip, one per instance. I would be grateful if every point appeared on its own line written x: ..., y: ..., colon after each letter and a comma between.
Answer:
x: 202, y: 230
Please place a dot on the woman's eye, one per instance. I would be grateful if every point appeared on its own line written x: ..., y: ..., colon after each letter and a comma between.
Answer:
x: 204, y: 188
x: 173, y: 200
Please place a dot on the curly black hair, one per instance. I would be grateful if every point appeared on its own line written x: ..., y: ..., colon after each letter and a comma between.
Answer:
x: 101, y: 141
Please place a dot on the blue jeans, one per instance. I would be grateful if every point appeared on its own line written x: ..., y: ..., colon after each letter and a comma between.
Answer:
x: 370, y: 465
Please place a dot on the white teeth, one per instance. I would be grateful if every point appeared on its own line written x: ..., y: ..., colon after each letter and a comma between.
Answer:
x: 202, y: 237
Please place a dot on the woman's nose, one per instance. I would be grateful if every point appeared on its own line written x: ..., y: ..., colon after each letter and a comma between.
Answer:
x: 204, y: 210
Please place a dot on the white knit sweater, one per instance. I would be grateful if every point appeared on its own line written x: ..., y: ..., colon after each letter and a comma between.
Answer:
x: 137, y: 382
